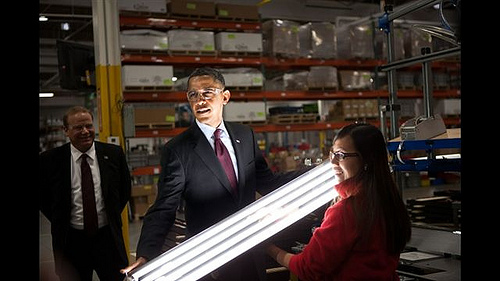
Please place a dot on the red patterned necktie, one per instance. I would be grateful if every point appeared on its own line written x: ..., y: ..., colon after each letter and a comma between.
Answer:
x: 225, y: 159
x: 89, y: 207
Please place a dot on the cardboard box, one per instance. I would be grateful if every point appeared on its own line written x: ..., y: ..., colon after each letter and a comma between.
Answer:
x: 370, y: 107
x: 243, y: 77
x: 288, y: 164
x: 238, y: 42
x: 281, y: 38
x: 143, y: 190
x: 354, y: 41
x: 140, y: 204
x: 349, y: 109
x: 323, y: 43
x: 153, y: 6
x: 191, y: 40
x: 352, y: 80
x: 245, y: 111
x: 235, y: 12
x: 335, y: 111
x: 192, y: 8
x: 142, y: 197
x: 322, y: 77
x: 447, y: 107
x: 147, y: 75
x: 154, y: 115
x: 143, y: 39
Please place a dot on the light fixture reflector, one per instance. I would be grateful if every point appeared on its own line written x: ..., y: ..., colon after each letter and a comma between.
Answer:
x: 224, y: 241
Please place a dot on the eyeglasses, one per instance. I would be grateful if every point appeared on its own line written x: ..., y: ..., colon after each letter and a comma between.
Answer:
x: 80, y: 127
x: 339, y: 155
x: 206, y: 94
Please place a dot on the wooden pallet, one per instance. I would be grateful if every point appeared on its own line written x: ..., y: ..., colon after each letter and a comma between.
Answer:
x: 245, y: 88
x: 160, y: 125
x: 144, y: 51
x: 293, y: 118
x: 147, y: 88
x: 237, y: 19
x: 191, y: 53
x: 407, y: 87
x: 324, y: 89
x: 240, y: 54
x: 191, y: 17
x: 254, y: 122
x: 441, y: 87
x: 142, y: 14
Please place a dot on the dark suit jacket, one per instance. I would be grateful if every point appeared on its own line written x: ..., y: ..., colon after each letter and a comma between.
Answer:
x: 55, y: 191
x: 191, y: 171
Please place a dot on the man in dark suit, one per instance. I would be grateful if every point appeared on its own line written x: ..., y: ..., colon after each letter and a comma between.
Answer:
x: 191, y: 171
x: 77, y: 253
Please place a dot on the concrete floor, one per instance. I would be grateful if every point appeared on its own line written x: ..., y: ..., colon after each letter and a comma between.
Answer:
x: 47, y: 272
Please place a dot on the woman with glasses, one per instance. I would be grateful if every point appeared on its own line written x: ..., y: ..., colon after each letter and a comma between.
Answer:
x: 363, y: 233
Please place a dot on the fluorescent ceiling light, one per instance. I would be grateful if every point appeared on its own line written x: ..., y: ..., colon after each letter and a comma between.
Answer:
x: 46, y: 95
x: 229, y: 238
x: 43, y: 18
x: 64, y: 26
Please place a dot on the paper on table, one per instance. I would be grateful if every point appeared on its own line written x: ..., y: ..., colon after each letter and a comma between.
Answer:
x: 416, y: 256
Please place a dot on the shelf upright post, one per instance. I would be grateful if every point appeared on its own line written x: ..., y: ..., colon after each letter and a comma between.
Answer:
x: 393, y: 108
x: 427, y: 84
x: 106, y: 26
x: 427, y: 91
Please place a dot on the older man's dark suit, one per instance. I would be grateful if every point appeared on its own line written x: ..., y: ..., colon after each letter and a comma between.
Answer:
x: 55, y: 193
x: 190, y: 170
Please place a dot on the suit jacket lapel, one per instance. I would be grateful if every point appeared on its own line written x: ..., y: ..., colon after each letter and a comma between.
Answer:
x: 102, y: 159
x: 66, y: 171
x: 207, y: 155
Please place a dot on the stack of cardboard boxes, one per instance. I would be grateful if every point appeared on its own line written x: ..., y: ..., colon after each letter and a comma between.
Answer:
x: 143, y: 196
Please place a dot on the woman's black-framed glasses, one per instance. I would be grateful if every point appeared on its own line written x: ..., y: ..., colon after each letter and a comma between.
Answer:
x: 339, y: 155
x: 206, y: 94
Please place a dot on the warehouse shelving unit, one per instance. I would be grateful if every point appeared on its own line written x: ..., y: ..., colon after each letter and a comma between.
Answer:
x: 168, y: 22
x: 268, y: 62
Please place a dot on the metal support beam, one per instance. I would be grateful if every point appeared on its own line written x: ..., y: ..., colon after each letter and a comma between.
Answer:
x: 411, y: 7
x: 455, y: 51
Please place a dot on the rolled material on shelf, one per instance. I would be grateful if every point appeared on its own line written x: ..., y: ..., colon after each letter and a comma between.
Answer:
x: 229, y: 238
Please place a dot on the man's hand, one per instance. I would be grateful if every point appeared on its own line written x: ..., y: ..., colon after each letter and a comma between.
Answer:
x: 140, y: 261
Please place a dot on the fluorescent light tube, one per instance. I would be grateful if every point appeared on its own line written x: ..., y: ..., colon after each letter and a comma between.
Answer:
x: 229, y: 238
x: 45, y: 95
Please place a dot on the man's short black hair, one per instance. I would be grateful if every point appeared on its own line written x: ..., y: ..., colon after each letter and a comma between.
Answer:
x: 208, y: 71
